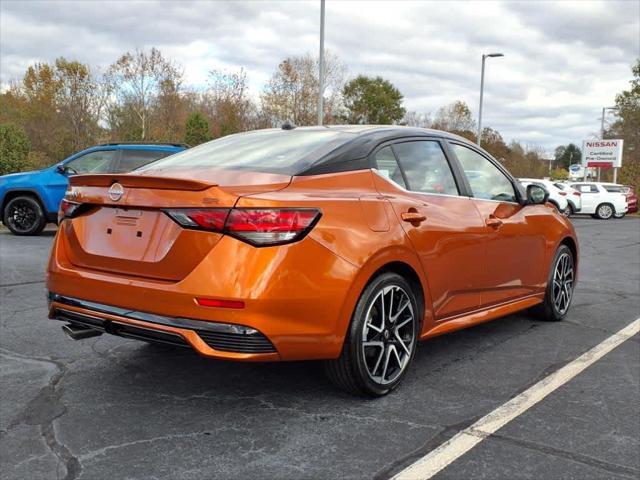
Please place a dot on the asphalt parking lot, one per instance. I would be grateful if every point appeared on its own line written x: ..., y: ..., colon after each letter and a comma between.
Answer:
x: 110, y: 408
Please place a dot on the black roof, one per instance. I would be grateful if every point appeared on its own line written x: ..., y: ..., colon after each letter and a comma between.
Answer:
x: 352, y: 155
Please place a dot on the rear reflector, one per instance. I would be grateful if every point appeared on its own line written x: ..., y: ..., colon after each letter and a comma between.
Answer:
x: 214, y: 302
x: 257, y: 226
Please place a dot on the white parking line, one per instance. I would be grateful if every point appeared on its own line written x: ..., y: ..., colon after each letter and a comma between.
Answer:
x: 465, y: 440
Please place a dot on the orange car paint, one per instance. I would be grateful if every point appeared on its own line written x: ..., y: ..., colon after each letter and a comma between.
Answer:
x: 467, y: 255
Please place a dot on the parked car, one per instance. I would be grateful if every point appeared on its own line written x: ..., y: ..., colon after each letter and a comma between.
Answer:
x: 30, y: 200
x: 629, y: 193
x: 574, y: 197
x: 557, y: 197
x: 346, y: 244
x: 600, y: 203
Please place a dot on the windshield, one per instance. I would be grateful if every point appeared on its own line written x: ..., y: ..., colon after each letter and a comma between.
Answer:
x: 272, y: 151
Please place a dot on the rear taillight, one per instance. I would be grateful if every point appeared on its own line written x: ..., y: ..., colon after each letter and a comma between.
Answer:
x: 68, y: 209
x: 564, y: 194
x: 577, y: 194
x: 260, y: 227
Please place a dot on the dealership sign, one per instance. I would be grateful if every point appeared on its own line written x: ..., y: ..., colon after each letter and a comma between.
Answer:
x: 602, y: 153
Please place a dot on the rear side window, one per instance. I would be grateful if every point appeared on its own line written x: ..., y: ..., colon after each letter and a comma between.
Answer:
x: 100, y: 161
x: 272, y: 151
x: 426, y: 168
x: 132, y: 159
x: 486, y: 180
x: 388, y: 167
x: 587, y: 188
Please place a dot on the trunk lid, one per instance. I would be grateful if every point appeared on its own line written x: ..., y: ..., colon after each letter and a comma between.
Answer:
x: 126, y: 232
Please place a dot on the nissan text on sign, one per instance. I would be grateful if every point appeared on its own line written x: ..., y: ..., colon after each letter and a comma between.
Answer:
x: 602, y: 153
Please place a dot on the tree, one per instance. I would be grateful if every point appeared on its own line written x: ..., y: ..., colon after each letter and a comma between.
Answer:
x: 227, y: 102
x: 292, y: 92
x: 372, y: 100
x: 136, y: 79
x: 80, y: 99
x: 197, y: 129
x: 415, y: 119
x: 627, y: 127
x: 14, y: 149
x: 493, y: 143
x: 456, y: 118
x: 564, y: 156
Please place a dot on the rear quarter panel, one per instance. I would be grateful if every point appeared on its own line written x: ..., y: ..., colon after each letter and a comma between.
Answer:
x: 357, y: 224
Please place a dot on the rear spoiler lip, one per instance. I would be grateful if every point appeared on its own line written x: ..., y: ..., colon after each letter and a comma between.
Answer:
x: 138, y: 181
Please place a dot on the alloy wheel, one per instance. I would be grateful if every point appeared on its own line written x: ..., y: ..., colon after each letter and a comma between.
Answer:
x: 563, y: 283
x: 22, y: 216
x: 388, y: 335
x: 605, y: 211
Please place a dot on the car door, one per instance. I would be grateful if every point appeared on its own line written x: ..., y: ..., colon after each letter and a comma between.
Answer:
x: 590, y: 196
x: 514, y: 243
x: 442, y: 225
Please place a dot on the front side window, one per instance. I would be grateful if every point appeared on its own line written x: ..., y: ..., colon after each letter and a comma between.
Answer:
x: 426, y: 168
x: 132, y: 159
x: 388, y: 167
x: 486, y: 180
x: 93, y: 162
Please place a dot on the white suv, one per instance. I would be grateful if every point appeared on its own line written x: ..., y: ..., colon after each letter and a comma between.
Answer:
x: 600, y: 203
x: 556, y: 196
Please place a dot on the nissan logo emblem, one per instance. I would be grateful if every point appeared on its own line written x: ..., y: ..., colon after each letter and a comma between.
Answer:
x: 115, y: 192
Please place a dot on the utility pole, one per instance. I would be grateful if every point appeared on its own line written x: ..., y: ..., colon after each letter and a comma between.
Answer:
x: 321, y: 66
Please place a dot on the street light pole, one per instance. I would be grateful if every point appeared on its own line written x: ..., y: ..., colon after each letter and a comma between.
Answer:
x: 321, y: 66
x: 484, y: 57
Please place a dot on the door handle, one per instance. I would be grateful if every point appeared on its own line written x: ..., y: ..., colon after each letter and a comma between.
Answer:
x: 493, y: 222
x: 413, y: 217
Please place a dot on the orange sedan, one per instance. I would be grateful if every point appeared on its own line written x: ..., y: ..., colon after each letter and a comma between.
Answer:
x: 347, y: 244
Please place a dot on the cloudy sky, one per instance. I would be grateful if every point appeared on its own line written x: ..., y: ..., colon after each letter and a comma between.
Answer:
x: 563, y: 60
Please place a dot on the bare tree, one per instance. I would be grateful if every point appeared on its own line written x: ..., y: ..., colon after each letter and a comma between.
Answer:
x: 456, y: 118
x: 136, y: 79
x: 227, y: 102
x: 415, y: 119
x: 292, y: 92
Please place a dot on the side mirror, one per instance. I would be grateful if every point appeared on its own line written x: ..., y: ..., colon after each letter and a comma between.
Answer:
x: 60, y: 168
x: 536, y: 195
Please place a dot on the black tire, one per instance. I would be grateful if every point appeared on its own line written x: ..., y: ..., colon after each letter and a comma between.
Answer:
x: 605, y: 211
x: 549, y: 310
x: 568, y: 212
x: 352, y: 370
x: 23, y: 215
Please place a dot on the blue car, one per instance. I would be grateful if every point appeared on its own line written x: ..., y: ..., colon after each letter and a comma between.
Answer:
x: 30, y: 200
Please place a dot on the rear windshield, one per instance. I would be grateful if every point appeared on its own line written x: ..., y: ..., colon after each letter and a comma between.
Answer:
x: 286, y: 152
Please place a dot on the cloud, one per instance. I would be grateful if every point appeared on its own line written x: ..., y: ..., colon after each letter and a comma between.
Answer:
x: 563, y: 61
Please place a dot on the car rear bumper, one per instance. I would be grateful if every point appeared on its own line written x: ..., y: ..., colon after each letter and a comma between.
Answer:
x: 212, y: 339
x: 302, y: 312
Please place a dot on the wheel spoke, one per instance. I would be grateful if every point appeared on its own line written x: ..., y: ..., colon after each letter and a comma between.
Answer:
x: 375, y: 368
x: 386, y: 363
x: 404, y: 347
x: 401, y: 309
